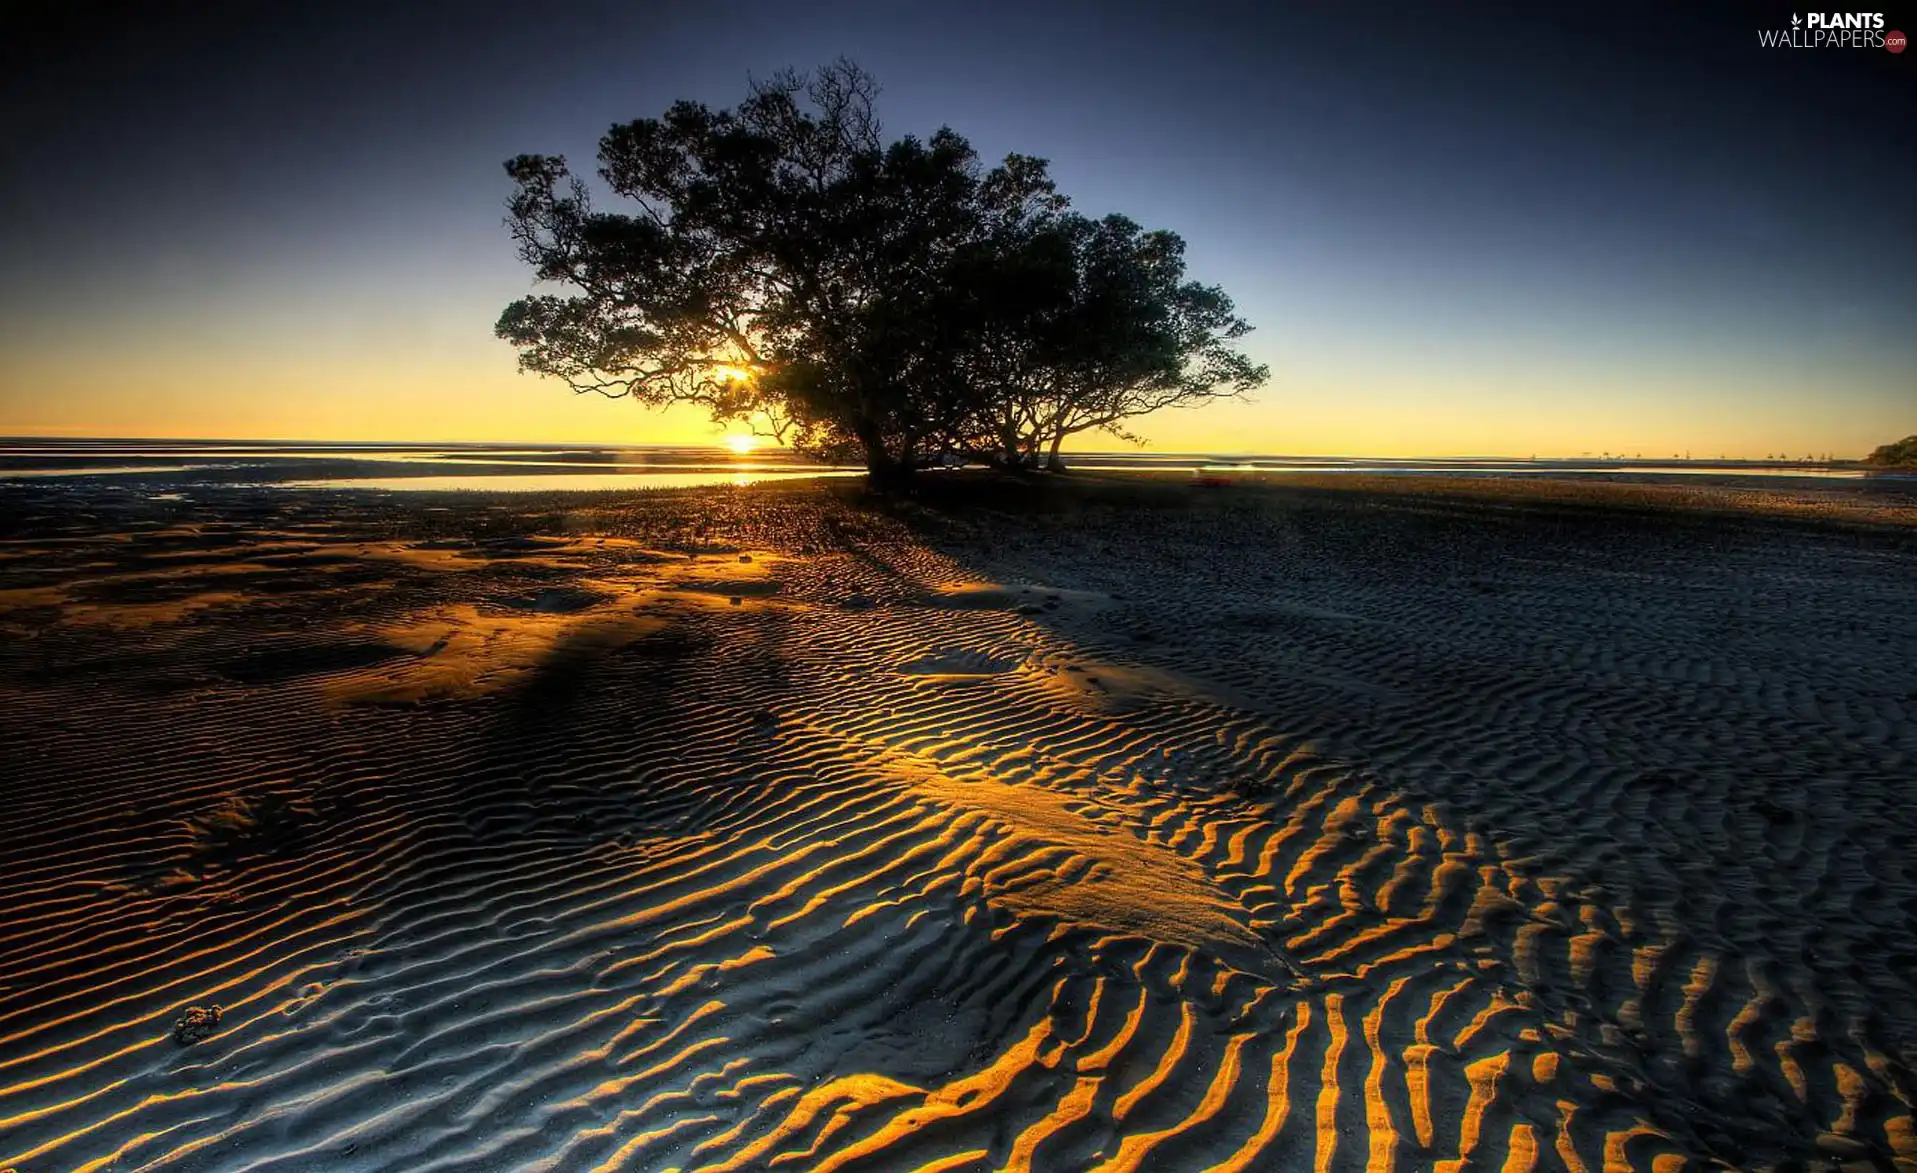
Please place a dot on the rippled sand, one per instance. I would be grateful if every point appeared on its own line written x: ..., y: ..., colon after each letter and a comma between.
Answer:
x: 1147, y: 829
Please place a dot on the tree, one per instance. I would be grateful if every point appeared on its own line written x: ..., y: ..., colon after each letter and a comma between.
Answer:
x: 1902, y: 454
x: 772, y: 268
x: 1132, y: 337
x: 780, y: 264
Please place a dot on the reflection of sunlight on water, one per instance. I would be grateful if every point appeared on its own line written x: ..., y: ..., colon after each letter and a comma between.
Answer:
x: 548, y: 482
x: 740, y: 459
x: 97, y: 470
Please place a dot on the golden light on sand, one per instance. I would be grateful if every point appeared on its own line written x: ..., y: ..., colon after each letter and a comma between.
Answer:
x: 741, y: 445
x: 1028, y: 897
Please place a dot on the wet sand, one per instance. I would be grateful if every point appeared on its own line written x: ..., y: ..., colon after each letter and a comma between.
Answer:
x: 1333, y: 823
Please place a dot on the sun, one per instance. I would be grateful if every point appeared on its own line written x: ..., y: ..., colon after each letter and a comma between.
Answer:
x: 741, y: 445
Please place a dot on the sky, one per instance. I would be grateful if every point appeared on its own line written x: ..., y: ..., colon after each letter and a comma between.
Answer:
x: 1541, y: 229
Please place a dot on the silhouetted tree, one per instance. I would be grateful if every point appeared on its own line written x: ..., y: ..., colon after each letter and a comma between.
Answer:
x: 781, y: 264
x: 1901, y: 454
x: 1132, y: 337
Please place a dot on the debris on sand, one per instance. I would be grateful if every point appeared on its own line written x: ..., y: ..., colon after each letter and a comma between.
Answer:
x: 198, y: 1023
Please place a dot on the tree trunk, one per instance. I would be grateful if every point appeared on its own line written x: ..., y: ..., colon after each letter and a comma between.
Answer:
x: 882, y: 469
x: 1052, y: 461
x: 1008, y: 441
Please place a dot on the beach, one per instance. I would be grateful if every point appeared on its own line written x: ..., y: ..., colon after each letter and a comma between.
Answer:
x: 1113, y: 823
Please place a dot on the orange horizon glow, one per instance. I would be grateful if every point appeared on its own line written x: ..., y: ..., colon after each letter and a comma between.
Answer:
x: 467, y: 391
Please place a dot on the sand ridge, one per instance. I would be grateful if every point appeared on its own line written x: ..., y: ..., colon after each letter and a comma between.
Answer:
x: 866, y: 870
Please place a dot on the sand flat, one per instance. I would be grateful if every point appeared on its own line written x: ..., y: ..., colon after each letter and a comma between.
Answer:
x: 1331, y: 825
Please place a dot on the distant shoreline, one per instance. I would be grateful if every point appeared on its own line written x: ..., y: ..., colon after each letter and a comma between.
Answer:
x: 1889, y: 501
x: 183, y: 465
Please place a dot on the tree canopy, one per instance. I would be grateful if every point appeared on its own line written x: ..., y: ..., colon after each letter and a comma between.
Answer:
x: 897, y: 302
x: 1902, y: 454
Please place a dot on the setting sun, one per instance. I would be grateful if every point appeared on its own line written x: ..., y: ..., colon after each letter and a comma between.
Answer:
x: 741, y: 444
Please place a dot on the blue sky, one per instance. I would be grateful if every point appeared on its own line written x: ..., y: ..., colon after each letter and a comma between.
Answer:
x: 1589, y: 229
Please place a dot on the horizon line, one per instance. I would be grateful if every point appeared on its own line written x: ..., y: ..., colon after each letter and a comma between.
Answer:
x: 717, y: 445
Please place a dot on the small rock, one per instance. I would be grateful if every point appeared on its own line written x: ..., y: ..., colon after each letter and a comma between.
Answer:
x: 199, y: 1022
x: 1842, y: 1147
x: 745, y: 557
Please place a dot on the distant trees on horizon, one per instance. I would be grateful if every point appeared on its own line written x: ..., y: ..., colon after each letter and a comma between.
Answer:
x: 783, y: 265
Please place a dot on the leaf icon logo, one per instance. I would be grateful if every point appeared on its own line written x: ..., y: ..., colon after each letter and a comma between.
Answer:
x: 1794, y: 21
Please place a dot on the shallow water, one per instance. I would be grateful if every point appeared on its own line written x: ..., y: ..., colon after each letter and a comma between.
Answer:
x: 99, y: 470
x: 425, y: 467
x: 496, y: 467
x: 566, y: 482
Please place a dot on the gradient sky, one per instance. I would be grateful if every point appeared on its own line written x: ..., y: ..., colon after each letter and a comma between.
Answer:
x: 1606, y: 228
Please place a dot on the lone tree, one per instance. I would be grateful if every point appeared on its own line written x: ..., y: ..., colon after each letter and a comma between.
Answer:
x: 780, y: 264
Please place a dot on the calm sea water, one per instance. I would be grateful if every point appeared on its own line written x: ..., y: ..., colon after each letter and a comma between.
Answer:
x: 171, y: 464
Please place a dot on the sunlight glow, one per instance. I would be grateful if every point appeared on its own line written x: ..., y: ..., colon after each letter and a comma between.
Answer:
x: 731, y: 374
x: 741, y: 444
